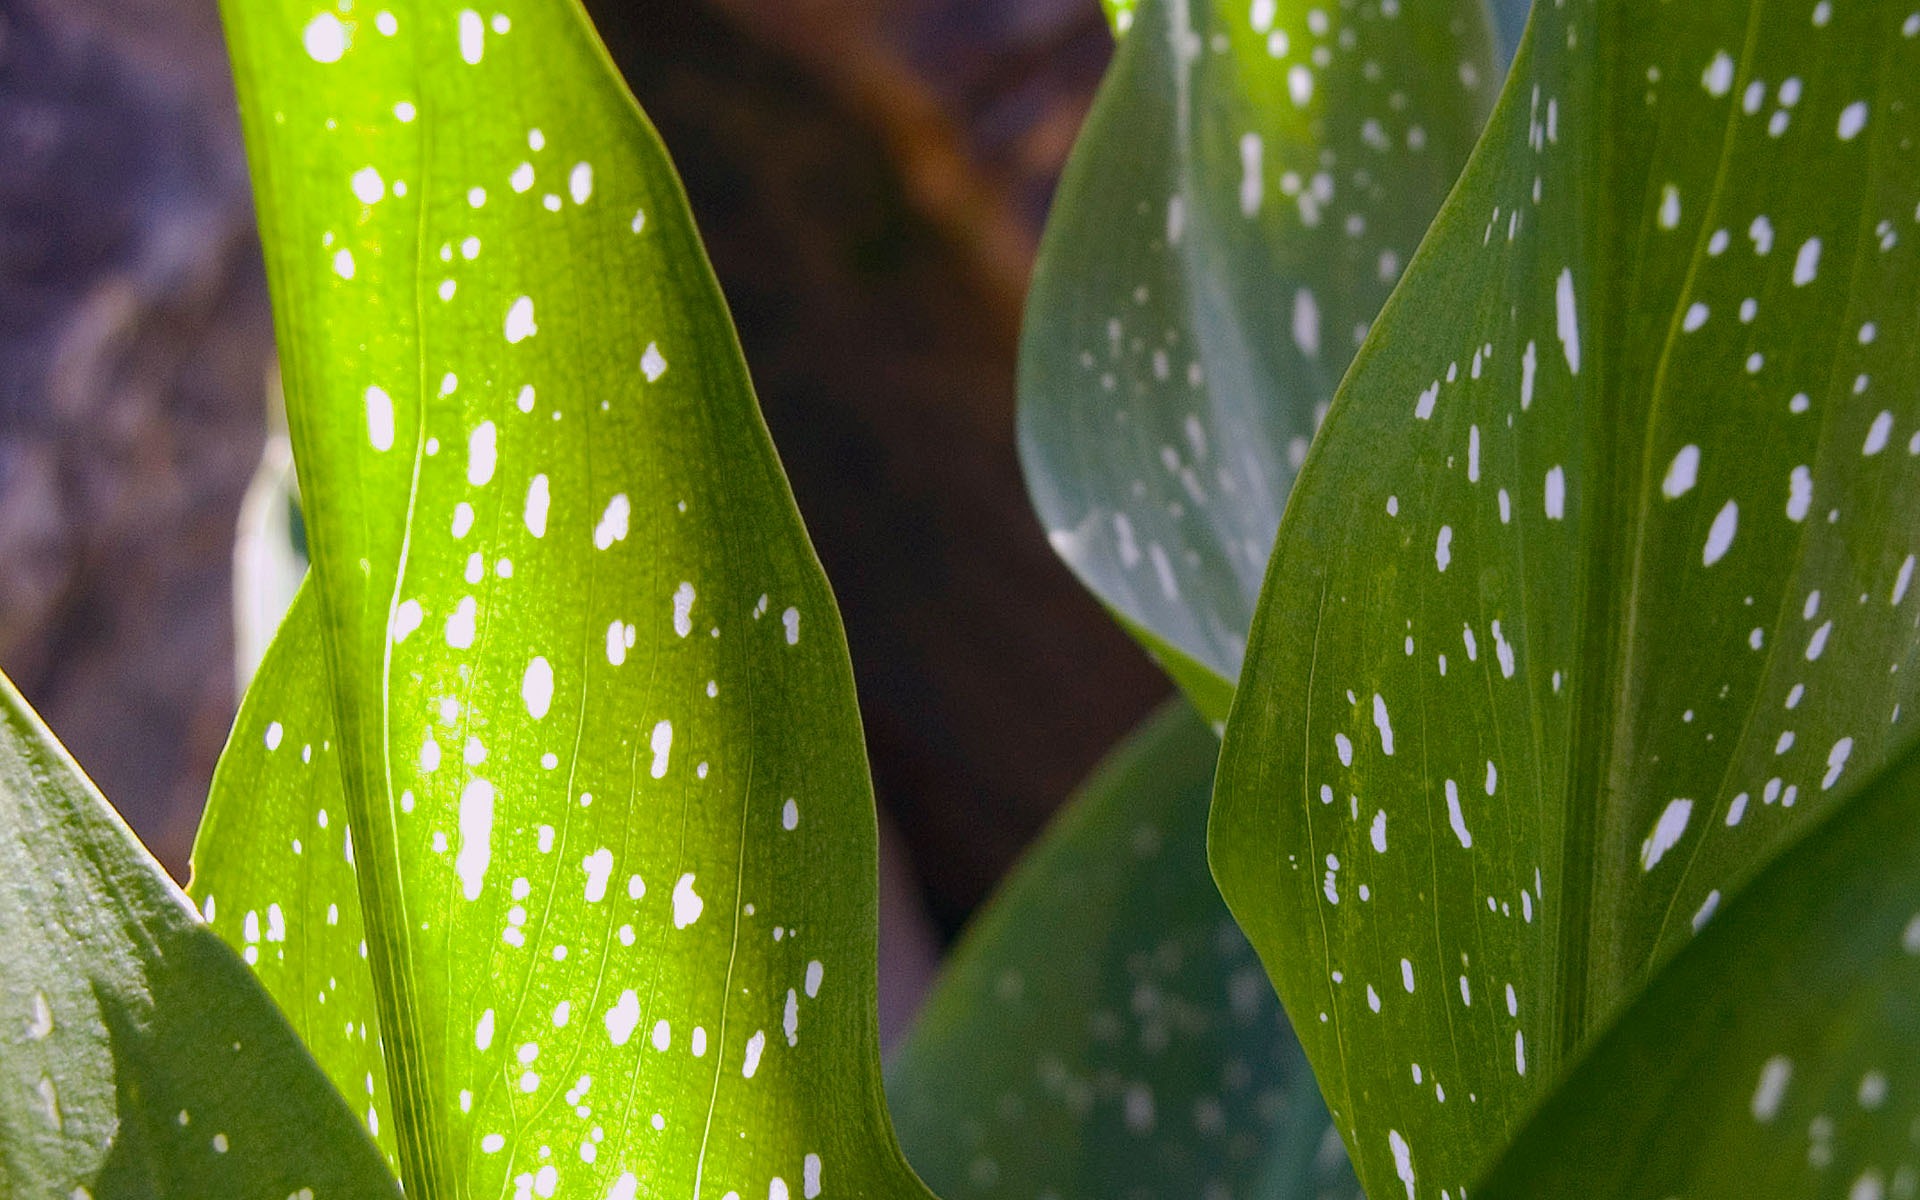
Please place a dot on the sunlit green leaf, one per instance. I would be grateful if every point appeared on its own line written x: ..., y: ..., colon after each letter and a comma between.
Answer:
x: 1597, y: 583
x: 1245, y: 192
x: 1778, y: 1057
x: 587, y: 702
x: 135, y: 1050
x: 1105, y: 1029
x: 274, y: 871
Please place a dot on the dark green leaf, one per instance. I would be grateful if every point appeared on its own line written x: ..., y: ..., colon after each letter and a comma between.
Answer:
x: 568, y: 658
x: 135, y: 1050
x: 1105, y: 1029
x: 1597, y: 584
x: 1778, y: 1057
x: 1245, y: 192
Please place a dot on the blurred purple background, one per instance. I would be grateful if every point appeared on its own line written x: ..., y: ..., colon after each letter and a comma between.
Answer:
x: 870, y: 175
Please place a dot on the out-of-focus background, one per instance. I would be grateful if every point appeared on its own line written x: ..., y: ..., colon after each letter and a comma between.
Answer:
x: 871, y: 177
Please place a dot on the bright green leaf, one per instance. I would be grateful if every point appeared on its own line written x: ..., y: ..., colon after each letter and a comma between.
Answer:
x: 135, y: 1049
x: 1243, y: 197
x: 612, y: 835
x: 1778, y: 1057
x: 1105, y: 1029
x: 274, y: 870
x: 1597, y: 583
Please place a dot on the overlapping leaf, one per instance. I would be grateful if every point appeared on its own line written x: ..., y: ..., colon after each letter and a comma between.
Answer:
x: 274, y: 870
x: 1243, y: 197
x: 1598, y: 582
x: 1778, y: 1057
x: 580, y: 685
x: 134, y: 1047
x: 1105, y: 1029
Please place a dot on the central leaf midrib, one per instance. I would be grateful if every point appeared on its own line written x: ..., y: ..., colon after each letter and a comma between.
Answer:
x: 420, y: 1133
x: 1622, y: 439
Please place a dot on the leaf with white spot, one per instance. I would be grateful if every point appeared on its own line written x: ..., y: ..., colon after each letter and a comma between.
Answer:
x: 1247, y: 188
x: 507, y: 821
x: 134, y: 1046
x: 272, y: 872
x: 1628, y: 636
x: 1778, y: 1056
x: 1105, y: 1029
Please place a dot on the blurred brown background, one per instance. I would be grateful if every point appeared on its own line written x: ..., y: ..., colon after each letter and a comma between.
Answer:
x: 871, y: 176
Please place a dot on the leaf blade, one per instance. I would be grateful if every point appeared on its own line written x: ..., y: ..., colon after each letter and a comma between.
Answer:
x: 590, y: 709
x: 1104, y: 1026
x: 135, y: 1043
x: 1549, y: 635
x: 1242, y: 172
x: 1761, y: 1062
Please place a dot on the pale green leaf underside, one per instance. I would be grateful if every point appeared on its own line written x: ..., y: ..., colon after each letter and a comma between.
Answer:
x: 1105, y: 1030
x: 591, y: 721
x: 1778, y: 1056
x: 1599, y: 576
x: 1242, y: 199
x: 134, y: 1048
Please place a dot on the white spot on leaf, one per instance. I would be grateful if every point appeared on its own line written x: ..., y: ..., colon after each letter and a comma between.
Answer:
x: 1666, y: 833
x: 325, y: 38
x: 687, y: 904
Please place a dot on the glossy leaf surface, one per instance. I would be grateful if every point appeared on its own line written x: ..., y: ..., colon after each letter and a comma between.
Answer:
x: 1242, y: 199
x: 134, y: 1046
x: 1597, y: 584
x: 1778, y: 1057
x: 590, y: 712
x: 1105, y: 1030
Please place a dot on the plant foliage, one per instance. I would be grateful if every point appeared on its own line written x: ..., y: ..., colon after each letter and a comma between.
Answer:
x: 546, y: 817
x: 1245, y: 194
x: 135, y: 1047
x: 1570, y: 798
x: 1595, y: 592
x: 1105, y: 1028
x: 1775, y: 1056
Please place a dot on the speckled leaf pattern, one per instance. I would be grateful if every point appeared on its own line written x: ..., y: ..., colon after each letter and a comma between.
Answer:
x: 1105, y: 1030
x: 1778, y: 1057
x: 274, y: 870
x: 1249, y: 184
x: 1598, y: 582
x: 590, y: 714
x: 134, y: 1047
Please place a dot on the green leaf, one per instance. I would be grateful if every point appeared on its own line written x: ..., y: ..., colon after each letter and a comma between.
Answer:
x: 1596, y: 585
x: 1104, y: 1029
x: 274, y: 869
x: 135, y: 1049
x: 1778, y: 1057
x: 586, y: 698
x: 1243, y: 196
